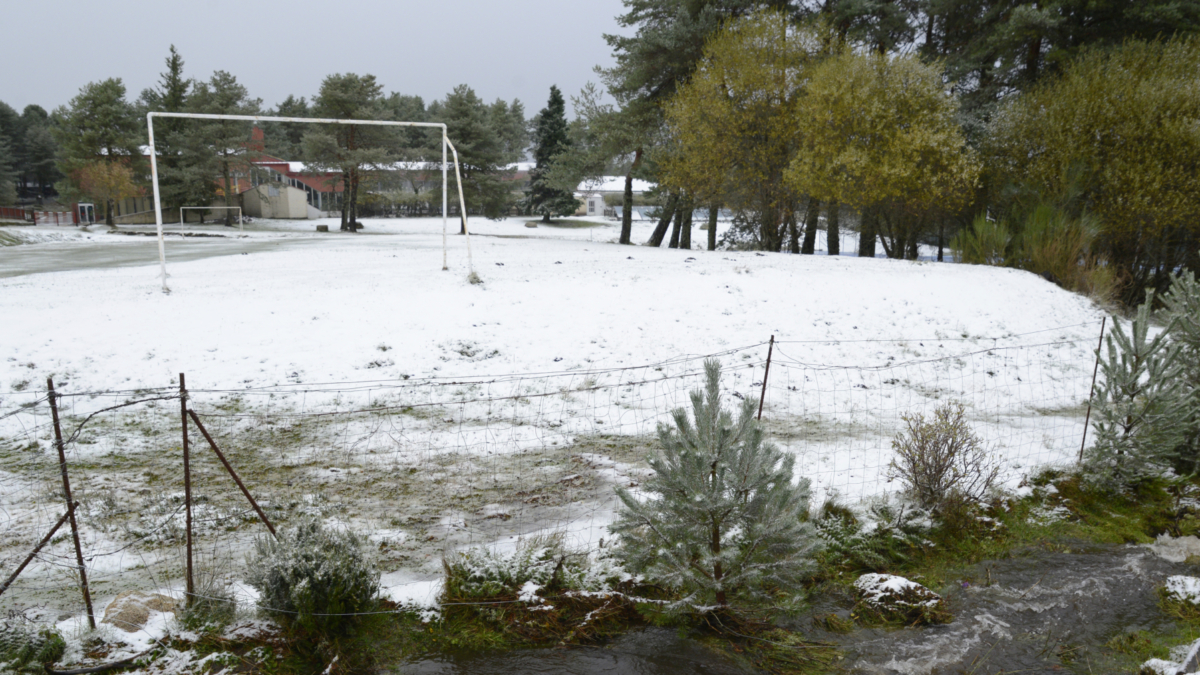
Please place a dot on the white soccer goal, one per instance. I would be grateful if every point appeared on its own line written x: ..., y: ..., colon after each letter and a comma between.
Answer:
x: 446, y: 144
x: 211, y: 208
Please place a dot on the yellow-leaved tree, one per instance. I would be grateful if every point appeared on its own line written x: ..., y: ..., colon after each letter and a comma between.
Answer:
x: 1116, y: 136
x: 732, y: 128
x: 880, y: 134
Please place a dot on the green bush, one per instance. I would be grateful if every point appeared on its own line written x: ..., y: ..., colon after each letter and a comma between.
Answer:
x: 540, y: 563
x: 985, y: 242
x: 314, y: 578
x: 881, y: 539
x: 22, y: 647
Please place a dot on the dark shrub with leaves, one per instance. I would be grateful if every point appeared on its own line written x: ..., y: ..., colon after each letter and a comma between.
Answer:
x: 314, y: 578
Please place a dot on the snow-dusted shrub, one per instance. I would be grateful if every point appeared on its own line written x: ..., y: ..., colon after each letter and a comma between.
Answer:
x: 1181, y: 313
x: 314, y: 577
x: 23, y: 645
x: 941, y: 461
x: 722, y: 519
x: 877, y: 540
x: 536, y: 564
x: 1140, y: 408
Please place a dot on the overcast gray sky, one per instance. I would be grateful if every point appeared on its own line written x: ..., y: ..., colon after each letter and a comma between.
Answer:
x: 503, y: 49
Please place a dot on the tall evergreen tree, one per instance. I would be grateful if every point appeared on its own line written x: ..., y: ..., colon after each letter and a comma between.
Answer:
x: 549, y: 143
x: 38, y: 161
x: 350, y: 148
x: 98, y: 125
x: 8, y: 174
x: 723, y: 519
x: 221, y: 148
x: 180, y: 181
x: 286, y: 139
x: 484, y: 152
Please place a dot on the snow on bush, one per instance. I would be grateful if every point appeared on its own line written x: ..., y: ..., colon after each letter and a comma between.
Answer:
x: 536, y: 564
x: 313, y: 577
x: 24, y: 645
x: 723, y: 519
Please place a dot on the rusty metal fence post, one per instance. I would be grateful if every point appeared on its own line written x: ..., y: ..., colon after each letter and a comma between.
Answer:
x: 66, y: 481
x: 1095, y: 369
x: 187, y: 487
x: 766, y: 373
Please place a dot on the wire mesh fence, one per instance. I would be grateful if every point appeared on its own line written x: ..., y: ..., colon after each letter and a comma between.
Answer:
x: 429, y: 466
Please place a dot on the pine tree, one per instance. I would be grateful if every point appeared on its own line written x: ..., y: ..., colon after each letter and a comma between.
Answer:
x: 8, y: 175
x: 38, y: 161
x: 723, y: 519
x: 350, y: 147
x: 286, y: 139
x: 550, y: 141
x: 180, y: 183
x: 1181, y: 312
x: 484, y: 150
x: 1139, y: 408
x: 220, y: 148
x: 98, y: 125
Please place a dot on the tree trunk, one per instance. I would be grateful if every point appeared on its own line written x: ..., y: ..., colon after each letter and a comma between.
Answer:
x: 678, y: 225
x: 867, y: 232
x: 713, y: 211
x: 354, y: 199
x: 685, y: 235
x: 793, y: 233
x: 770, y: 232
x: 228, y: 192
x: 627, y: 205
x: 941, y: 237
x: 664, y: 221
x: 833, y: 230
x: 345, y: 198
x: 546, y: 217
x: 108, y: 213
x: 914, y: 247
x: 810, y: 226
x: 718, y: 572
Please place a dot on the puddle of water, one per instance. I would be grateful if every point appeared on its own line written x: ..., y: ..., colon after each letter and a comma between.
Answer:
x: 1041, y: 613
x: 651, y: 651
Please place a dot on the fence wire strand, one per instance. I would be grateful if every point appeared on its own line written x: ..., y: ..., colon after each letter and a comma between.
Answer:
x: 427, y: 467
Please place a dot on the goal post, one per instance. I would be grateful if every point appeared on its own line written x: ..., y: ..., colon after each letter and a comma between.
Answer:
x: 446, y: 145
x: 210, y: 208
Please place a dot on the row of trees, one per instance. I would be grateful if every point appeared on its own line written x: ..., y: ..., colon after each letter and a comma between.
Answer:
x: 27, y: 152
x: 913, y: 118
x: 93, y: 146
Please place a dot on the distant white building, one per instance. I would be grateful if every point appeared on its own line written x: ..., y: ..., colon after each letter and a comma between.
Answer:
x: 592, y: 192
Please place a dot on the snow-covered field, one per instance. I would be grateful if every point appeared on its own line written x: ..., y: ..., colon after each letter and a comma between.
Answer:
x: 351, y: 377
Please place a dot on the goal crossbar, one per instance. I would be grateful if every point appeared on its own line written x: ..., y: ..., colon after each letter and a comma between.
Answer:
x: 446, y: 144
